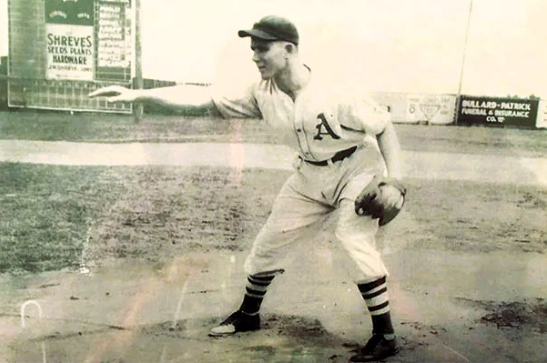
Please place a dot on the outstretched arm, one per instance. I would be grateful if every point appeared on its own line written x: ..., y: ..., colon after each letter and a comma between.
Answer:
x: 391, y: 151
x: 180, y: 97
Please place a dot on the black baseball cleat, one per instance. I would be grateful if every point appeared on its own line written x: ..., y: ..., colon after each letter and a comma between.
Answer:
x: 237, y: 322
x: 377, y: 348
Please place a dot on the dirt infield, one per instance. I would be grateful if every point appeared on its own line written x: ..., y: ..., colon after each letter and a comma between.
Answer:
x: 160, y: 260
x: 134, y: 311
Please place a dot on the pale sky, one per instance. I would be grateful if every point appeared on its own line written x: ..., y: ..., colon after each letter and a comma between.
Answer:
x: 388, y: 45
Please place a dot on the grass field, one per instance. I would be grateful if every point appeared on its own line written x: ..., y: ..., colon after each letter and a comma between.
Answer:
x: 56, y: 217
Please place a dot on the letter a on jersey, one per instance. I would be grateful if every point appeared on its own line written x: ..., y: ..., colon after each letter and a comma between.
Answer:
x: 324, y: 124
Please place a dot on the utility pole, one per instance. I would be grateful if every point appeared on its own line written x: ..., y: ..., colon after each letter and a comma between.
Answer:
x: 463, y: 61
x: 138, y: 84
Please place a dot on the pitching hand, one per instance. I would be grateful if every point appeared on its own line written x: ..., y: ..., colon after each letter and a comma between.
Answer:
x: 115, y: 94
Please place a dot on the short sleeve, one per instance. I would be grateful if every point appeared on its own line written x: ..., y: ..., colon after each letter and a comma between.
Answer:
x: 236, y: 103
x: 362, y: 113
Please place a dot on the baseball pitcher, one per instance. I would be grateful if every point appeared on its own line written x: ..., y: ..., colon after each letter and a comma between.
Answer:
x: 327, y: 125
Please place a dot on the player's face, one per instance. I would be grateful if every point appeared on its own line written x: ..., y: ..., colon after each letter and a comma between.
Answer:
x: 270, y: 57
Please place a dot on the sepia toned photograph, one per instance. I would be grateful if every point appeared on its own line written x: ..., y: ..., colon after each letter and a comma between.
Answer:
x: 273, y: 181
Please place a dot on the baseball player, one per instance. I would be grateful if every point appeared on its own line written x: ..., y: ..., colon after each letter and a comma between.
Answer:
x: 336, y: 170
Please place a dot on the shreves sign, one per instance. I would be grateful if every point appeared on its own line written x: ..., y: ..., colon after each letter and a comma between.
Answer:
x: 70, y: 47
x: 88, y: 40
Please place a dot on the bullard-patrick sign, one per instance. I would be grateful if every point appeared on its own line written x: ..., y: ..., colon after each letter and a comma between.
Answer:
x: 497, y: 111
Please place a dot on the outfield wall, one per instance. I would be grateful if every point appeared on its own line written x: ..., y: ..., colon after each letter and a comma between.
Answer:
x: 418, y: 107
x: 542, y: 115
x: 3, y: 83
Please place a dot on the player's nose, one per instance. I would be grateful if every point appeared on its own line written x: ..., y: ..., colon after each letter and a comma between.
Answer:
x: 256, y: 58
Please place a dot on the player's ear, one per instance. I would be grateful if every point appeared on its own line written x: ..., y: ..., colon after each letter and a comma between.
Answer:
x: 290, y: 48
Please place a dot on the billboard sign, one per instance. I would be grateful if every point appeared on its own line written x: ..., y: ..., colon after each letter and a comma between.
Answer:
x: 61, y: 50
x: 70, y: 47
x: 114, y: 40
x: 497, y: 111
x: 433, y: 109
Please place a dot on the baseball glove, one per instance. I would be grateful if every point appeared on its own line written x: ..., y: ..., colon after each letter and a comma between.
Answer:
x: 382, y: 198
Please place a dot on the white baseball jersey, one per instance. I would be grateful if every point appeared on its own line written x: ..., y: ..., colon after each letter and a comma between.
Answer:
x: 320, y: 122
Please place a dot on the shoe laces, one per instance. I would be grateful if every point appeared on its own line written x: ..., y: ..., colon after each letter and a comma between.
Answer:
x: 235, y: 317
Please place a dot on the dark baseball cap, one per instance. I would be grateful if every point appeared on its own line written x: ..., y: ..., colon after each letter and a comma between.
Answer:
x: 272, y: 28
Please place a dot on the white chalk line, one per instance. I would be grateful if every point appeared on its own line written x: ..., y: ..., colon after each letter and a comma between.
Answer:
x: 24, y: 324
x: 84, y: 262
x: 84, y: 269
x: 456, y: 352
x: 179, y: 304
x: 163, y: 354
x: 177, y: 315
x: 24, y: 307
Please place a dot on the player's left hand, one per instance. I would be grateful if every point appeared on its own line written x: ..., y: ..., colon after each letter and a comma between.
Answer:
x: 116, y: 94
x: 382, y: 198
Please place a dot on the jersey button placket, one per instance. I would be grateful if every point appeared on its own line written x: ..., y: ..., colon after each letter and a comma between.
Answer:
x: 299, y: 127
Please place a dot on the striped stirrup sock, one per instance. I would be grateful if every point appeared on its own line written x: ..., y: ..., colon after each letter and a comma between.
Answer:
x: 376, y: 297
x: 255, y: 290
